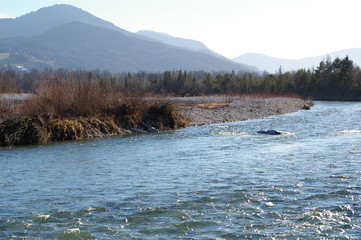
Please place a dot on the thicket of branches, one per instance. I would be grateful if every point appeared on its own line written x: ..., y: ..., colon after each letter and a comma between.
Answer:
x: 339, y: 79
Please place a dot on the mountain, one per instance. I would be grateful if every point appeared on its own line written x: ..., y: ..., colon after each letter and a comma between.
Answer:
x: 63, y: 36
x: 178, y: 42
x: 272, y: 64
x: 82, y: 46
x: 44, y: 19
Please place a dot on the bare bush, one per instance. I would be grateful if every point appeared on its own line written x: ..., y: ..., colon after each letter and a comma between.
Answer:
x: 74, y: 97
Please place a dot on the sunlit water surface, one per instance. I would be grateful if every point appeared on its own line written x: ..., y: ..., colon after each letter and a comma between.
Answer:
x: 211, y: 182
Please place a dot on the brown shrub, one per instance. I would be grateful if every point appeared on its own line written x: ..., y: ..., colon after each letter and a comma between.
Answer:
x: 74, y: 98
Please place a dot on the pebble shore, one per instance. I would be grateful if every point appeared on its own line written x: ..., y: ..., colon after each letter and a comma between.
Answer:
x: 211, y: 110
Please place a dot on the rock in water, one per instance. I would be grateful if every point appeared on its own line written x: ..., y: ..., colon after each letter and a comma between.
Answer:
x: 152, y: 130
x: 270, y: 132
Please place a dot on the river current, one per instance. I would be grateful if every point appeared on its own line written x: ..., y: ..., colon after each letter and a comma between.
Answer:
x: 221, y: 181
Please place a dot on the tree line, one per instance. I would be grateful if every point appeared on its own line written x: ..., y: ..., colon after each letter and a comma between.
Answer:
x: 338, y: 79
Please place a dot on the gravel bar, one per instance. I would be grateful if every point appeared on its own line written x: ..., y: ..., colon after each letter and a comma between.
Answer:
x: 211, y: 110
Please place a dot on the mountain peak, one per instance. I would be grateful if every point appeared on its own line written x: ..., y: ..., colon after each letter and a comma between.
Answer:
x: 57, y: 7
x: 54, y: 12
x: 40, y: 21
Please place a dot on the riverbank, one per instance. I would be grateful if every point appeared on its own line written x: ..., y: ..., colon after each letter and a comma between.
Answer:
x: 129, y: 118
x: 141, y: 116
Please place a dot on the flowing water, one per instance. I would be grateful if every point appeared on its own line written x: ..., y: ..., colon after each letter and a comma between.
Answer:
x: 212, y: 182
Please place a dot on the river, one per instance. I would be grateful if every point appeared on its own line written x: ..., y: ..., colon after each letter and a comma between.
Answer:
x: 222, y: 181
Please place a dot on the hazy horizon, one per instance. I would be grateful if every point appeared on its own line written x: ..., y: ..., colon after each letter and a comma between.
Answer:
x: 277, y: 28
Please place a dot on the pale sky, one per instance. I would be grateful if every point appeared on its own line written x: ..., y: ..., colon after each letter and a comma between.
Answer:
x: 279, y: 28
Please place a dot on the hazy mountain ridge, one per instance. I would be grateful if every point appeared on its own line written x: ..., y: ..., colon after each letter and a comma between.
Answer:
x: 272, y: 64
x: 188, y: 44
x: 78, y: 39
x: 178, y: 42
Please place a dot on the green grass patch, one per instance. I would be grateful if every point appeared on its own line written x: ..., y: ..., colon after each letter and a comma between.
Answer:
x: 4, y: 56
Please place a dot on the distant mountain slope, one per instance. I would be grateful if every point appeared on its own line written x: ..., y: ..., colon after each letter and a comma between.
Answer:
x: 68, y: 37
x: 188, y: 44
x: 44, y: 19
x: 178, y: 42
x: 271, y: 64
x: 78, y: 45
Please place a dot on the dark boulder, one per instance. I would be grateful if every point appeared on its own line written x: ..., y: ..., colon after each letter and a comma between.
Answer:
x: 269, y: 132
